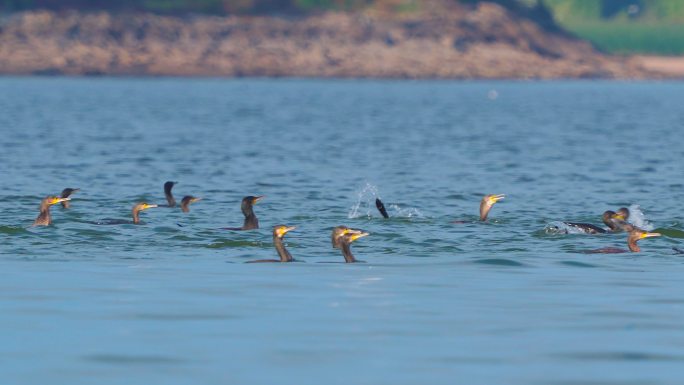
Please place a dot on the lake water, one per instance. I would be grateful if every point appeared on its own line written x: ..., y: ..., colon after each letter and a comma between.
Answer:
x: 503, y: 302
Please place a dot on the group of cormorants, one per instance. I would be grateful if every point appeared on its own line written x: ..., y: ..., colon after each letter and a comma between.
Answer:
x: 343, y: 236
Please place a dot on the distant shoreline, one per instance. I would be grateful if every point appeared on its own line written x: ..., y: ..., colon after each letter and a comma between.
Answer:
x: 482, y: 42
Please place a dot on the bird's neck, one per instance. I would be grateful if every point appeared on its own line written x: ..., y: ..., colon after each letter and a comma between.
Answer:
x: 45, y: 213
x: 484, y: 211
x: 632, y: 244
x: 251, y: 222
x: 346, y: 252
x: 170, y: 199
x: 66, y: 204
x: 136, y: 216
x: 184, y: 207
x: 285, y: 255
x: 247, y: 211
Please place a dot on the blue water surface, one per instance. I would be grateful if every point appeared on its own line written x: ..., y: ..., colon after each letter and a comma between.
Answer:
x: 503, y: 302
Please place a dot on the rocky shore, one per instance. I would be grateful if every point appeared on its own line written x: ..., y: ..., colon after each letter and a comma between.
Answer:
x: 482, y: 41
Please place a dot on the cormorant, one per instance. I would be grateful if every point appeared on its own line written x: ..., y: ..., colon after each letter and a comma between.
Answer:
x: 137, y: 208
x: 251, y: 221
x: 185, y: 202
x: 634, y: 235
x: 345, y: 244
x: 66, y: 193
x: 279, y: 232
x: 487, y: 203
x: 44, y: 218
x: 338, y: 232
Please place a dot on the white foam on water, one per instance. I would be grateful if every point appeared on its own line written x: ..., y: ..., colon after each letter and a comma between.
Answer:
x: 562, y: 228
x: 365, y: 206
x: 638, y: 219
x: 365, y: 202
x: 409, y: 212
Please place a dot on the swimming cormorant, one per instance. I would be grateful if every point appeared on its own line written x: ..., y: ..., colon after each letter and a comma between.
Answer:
x: 44, y: 218
x: 487, y: 203
x: 634, y: 235
x: 251, y: 221
x: 345, y: 244
x: 609, y: 217
x: 279, y: 232
x: 338, y: 232
x: 66, y: 193
x: 137, y: 208
x: 185, y: 202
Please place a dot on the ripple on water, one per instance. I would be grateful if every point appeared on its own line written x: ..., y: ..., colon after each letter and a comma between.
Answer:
x: 620, y: 356
x: 577, y: 264
x: 130, y: 359
x: 499, y: 262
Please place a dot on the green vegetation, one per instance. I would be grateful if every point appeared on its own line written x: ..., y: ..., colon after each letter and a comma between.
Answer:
x: 625, y: 26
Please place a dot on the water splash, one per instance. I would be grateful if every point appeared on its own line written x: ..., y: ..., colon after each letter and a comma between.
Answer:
x: 365, y: 206
x: 365, y: 202
x: 408, y: 212
x: 638, y: 219
x: 561, y: 228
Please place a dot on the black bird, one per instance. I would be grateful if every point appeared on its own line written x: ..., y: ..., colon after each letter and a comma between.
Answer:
x: 186, y: 201
x: 279, y: 232
x: 168, y: 186
x: 66, y: 193
x: 616, y: 222
x: 251, y: 221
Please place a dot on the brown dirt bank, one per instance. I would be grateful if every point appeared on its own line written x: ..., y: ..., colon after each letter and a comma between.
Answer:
x: 480, y: 41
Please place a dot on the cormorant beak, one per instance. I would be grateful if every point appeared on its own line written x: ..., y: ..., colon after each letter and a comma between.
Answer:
x: 284, y: 230
x: 619, y: 216
x: 649, y: 235
x: 193, y: 200
x: 351, y: 231
x: 146, y: 206
x: 358, y: 235
x: 495, y: 198
x: 257, y: 199
x: 58, y: 200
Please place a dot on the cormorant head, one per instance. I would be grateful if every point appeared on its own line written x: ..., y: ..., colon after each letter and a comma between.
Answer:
x: 636, y: 234
x: 340, y: 231
x: 279, y: 231
x: 189, y: 199
x: 249, y: 201
x: 622, y: 214
x: 489, y: 200
x: 68, y: 191
x: 351, y: 237
x: 608, y: 216
x: 143, y: 206
x: 168, y: 186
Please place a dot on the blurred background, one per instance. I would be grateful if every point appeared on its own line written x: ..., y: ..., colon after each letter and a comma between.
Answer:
x: 345, y: 38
